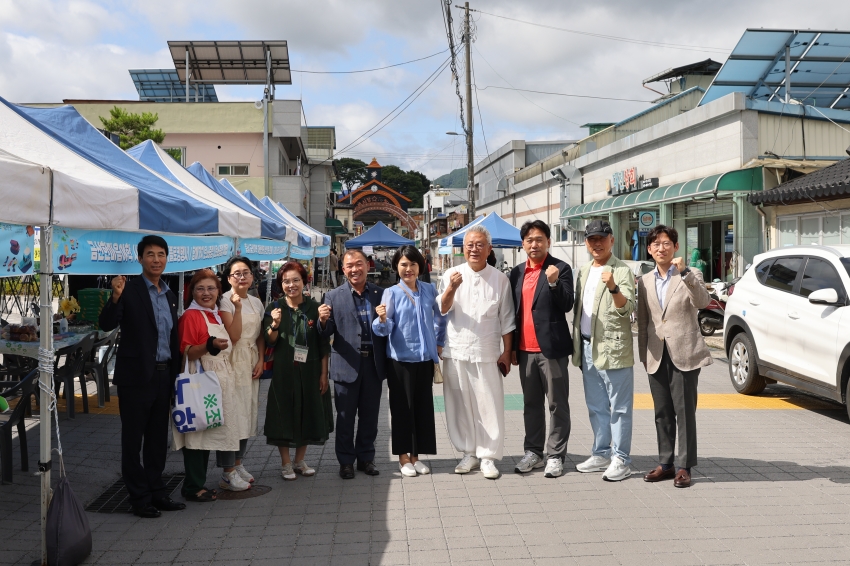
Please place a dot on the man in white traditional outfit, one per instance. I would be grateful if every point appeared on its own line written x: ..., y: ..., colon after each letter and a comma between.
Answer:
x: 476, y: 298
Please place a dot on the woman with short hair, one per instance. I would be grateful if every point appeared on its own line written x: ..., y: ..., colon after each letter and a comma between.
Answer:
x: 410, y: 316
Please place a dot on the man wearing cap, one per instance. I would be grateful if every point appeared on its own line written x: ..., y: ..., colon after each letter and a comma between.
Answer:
x: 605, y: 300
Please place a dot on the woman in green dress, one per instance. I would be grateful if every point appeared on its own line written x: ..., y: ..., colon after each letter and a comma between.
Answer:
x: 298, y: 412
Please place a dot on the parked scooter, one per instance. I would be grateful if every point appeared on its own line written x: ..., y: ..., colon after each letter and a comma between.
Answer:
x: 711, y: 317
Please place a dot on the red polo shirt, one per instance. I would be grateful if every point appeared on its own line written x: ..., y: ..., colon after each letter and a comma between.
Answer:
x: 527, y: 335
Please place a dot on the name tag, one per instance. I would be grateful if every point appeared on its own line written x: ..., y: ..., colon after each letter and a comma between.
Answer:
x: 301, y: 354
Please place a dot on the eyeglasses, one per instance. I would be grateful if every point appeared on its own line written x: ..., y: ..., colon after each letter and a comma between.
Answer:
x: 288, y: 282
x: 659, y: 245
x: 241, y: 275
x: 477, y: 246
x: 206, y: 289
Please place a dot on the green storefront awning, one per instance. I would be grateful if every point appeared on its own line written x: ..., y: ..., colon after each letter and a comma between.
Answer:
x: 741, y: 180
x: 334, y: 226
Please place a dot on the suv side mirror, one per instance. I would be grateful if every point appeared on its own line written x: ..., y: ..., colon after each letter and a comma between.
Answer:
x: 824, y: 297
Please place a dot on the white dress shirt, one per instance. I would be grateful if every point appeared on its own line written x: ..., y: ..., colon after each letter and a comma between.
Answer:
x: 593, y: 278
x: 482, y: 312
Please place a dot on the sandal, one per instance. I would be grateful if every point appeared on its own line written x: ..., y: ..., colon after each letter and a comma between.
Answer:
x: 207, y: 496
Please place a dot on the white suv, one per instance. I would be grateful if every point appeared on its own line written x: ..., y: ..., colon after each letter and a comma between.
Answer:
x: 787, y: 320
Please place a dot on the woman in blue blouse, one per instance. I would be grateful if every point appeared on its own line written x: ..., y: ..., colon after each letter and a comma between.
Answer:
x: 410, y: 317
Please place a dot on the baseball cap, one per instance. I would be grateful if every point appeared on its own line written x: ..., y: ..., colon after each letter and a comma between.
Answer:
x: 598, y: 228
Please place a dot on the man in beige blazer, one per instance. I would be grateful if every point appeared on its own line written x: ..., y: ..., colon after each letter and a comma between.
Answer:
x: 672, y: 351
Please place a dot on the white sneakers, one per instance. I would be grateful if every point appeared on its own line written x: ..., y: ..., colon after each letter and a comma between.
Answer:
x: 468, y: 464
x: 421, y: 468
x: 287, y: 472
x: 530, y: 461
x: 244, y: 474
x: 594, y: 464
x: 231, y: 481
x: 303, y: 469
x: 407, y: 470
x: 488, y: 469
x: 554, y: 468
x: 617, y: 471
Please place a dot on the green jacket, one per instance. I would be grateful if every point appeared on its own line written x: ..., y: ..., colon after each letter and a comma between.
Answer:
x: 610, y: 327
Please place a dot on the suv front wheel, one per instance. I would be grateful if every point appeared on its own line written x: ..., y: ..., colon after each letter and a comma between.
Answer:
x: 743, y: 370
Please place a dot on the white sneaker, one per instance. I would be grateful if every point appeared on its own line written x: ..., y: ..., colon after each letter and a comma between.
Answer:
x: 421, y: 468
x: 488, y: 469
x: 617, y: 471
x: 287, y: 473
x: 407, y: 470
x: 232, y: 482
x: 303, y: 469
x: 554, y: 468
x: 594, y: 464
x: 244, y: 474
x: 530, y: 461
x: 468, y: 464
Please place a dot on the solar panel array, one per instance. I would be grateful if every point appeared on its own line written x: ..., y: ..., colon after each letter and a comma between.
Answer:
x: 163, y: 85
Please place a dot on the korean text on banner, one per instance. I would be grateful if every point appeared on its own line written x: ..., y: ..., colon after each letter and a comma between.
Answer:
x: 105, y: 252
x: 16, y: 248
x: 263, y: 250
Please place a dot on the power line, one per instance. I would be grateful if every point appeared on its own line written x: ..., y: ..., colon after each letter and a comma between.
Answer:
x: 369, y: 70
x: 614, y: 37
x: 563, y: 94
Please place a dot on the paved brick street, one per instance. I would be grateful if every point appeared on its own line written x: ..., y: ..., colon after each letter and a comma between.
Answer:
x: 772, y: 487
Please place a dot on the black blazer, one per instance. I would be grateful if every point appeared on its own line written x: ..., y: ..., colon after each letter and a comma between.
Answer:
x: 549, y: 309
x: 345, y: 327
x: 136, y: 355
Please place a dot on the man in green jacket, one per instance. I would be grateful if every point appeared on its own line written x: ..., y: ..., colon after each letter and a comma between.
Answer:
x: 605, y: 299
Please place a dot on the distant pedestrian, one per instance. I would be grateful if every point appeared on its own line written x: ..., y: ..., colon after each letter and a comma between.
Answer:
x: 333, y: 262
x: 672, y: 351
x: 410, y: 317
x: 605, y: 353
x: 543, y: 295
x: 146, y: 366
x: 476, y: 300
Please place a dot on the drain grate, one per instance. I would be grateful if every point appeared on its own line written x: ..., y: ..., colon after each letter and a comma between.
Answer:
x: 116, y: 499
x: 255, y: 491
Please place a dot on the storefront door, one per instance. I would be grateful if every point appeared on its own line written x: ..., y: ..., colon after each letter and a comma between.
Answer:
x: 710, y: 244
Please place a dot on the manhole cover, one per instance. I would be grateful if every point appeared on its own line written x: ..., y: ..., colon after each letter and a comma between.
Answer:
x: 255, y: 491
x: 116, y: 499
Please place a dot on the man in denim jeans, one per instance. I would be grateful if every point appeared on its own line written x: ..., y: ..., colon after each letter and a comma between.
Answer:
x: 605, y: 300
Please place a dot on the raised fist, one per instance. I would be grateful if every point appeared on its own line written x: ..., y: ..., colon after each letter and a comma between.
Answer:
x: 118, y: 284
x: 382, y: 312
x: 324, y: 313
x: 236, y: 300
x: 455, y: 279
x: 552, y: 274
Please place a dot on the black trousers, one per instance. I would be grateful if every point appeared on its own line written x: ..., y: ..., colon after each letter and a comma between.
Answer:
x: 412, y: 408
x: 674, y: 394
x: 145, y: 415
x: 360, y: 400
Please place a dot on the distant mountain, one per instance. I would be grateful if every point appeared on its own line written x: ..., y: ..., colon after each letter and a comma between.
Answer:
x: 454, y: 180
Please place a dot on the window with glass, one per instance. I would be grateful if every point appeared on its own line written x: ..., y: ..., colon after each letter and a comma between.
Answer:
x: 783, y: 273
x: 819, y: 274
x: 238, y: 170
x: 823, y: 229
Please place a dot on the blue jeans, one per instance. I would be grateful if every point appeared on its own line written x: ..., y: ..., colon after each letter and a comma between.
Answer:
x: 609, y: 395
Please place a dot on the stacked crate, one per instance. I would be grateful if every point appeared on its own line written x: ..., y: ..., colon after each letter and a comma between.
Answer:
x: 92, y: 302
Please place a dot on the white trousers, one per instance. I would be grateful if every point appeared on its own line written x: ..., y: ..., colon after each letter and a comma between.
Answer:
x: 475, y: 407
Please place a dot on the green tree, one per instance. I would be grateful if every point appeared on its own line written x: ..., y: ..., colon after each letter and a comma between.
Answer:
x: 133, y: 129
x: 411, y: 184
x: 351, y: 172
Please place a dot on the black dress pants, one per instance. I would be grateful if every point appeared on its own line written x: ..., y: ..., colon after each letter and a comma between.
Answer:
x: 674, y: 394
x: 145, y: 416
x: 412, y: 408
x: 360, y: 400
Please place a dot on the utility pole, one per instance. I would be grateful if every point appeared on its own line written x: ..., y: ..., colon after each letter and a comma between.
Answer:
x: 470, y: 165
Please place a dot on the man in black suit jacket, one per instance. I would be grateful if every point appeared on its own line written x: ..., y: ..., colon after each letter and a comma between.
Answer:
x: 543, y: 295
x: 146, y: 365
x: 358, y: 361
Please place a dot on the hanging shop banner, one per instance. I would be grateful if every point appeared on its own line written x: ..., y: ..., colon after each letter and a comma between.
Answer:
x: 296, y: 252
x: 107, y: 252
x: 646, y: 222
x: 263, y: 250
x: 323, y: 251
x: 17, y: 244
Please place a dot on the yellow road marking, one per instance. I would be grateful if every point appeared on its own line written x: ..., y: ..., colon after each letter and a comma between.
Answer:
x: 763, y: 401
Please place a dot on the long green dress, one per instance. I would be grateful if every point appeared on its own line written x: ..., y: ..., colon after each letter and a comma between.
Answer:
x: 297, y: 414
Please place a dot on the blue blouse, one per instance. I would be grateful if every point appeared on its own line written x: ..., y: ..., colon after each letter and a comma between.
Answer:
x: 415, y: 327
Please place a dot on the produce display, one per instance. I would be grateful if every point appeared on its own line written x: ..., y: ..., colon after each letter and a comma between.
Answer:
x: 19, y: 333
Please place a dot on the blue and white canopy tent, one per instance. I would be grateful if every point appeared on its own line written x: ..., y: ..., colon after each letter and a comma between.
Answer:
x: 504, y: 235
x: 378, y: 236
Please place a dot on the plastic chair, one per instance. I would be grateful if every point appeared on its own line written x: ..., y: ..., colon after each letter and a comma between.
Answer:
x: 16, y: 418
x: 75, y: 361
x: 100, y: 367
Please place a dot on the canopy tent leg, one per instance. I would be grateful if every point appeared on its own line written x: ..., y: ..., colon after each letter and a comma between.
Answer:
x: 181, y: 281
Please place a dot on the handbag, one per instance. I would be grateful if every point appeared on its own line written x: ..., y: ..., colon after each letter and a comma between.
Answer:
x: 67, y: 531
x: 197, y: 400
x: 438, y: 374
x: 268, y: 357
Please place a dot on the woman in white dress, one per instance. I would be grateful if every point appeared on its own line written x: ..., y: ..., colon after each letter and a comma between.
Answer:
x: 242, y: 315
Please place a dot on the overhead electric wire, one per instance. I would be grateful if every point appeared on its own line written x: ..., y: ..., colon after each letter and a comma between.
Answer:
x: 369, y: 70
x: 563, y: 94
x: 614, y: 37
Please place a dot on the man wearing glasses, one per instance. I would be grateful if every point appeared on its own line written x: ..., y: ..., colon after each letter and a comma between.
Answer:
x: 476, y: 299
x: 672, y: 350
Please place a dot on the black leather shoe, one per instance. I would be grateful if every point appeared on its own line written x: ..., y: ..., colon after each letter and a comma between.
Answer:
x: 346, y: 471
x: 368, y: 468
x: 146, y: 512
x: 168, y: 504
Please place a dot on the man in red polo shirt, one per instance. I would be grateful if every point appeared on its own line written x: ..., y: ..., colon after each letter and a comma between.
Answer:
x: 543, y: 295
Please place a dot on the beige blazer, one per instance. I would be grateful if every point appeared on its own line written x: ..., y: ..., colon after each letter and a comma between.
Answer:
x: 676, y: 324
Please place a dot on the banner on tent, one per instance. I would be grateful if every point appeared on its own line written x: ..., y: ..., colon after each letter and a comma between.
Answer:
x: 17, y: 245
x: 263, y: 250
x: 323, y: 251
x: 297, y: 252
x: 107, y: 252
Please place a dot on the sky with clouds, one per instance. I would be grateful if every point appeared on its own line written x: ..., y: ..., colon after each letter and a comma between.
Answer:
x: 52, y: 50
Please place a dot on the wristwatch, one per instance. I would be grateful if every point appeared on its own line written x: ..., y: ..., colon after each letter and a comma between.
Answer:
x: 685, y: 271
x: 615, y: 290
x: 553, y: 285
